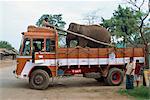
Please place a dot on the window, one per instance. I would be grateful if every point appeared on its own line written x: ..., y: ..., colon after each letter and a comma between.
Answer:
x: 47, y: 45
x: 26, y: 49
x: 38, y: 45
x: 50, y: 45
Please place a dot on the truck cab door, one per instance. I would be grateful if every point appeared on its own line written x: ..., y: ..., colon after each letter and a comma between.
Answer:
x: 46, y: 55
x: 24, y: 56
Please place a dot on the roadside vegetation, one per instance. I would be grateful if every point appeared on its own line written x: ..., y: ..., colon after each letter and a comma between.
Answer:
x: 140, y: 93
x: 6, y: 45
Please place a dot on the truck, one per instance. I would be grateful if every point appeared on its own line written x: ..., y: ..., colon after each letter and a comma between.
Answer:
x: 41, y: 59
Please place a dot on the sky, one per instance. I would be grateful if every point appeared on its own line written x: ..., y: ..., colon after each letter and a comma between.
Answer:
x: 15, y: 16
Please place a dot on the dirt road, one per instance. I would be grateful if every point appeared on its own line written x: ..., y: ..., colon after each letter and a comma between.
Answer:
x: 69, y: 88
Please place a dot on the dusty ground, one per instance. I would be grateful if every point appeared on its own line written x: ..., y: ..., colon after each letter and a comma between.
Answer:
x: 69, y: 88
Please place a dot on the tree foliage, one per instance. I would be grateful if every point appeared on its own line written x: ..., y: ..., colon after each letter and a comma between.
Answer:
x: 137, y: 5
x: 5, y: 44
x: 91, y: 17
x: 146, y: 31
x: 123, y: 24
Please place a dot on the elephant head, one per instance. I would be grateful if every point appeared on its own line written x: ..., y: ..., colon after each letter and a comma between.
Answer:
x: 73, y: 27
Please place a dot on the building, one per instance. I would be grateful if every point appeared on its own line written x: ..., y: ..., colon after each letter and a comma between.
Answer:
x: 8, y: 54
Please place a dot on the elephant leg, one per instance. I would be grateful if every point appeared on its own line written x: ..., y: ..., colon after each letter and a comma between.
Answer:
x: 83, y: 42
x: 68, y: 42
x: 77, y: 41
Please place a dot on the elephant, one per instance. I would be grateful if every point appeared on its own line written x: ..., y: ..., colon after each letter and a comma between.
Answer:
x: 96, y: 32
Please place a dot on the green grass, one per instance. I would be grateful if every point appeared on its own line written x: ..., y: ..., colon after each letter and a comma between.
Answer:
x: 140, y: 93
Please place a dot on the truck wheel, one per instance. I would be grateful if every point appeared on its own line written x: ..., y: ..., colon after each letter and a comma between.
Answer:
x: 114, y: 77
x: 39, y: 79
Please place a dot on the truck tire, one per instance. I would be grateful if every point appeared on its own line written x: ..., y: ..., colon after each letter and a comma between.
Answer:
x: 39, y: 79
x: 114, y: 77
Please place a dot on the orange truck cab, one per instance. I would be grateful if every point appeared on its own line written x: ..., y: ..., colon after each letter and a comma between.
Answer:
x: 40, y: 59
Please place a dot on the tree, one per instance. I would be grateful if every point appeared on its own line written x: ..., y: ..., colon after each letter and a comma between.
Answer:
x: 146, y: 31
x: 5, y: 44
x: 91, y: 17
x: 137, y: 7
x: 123, y: 24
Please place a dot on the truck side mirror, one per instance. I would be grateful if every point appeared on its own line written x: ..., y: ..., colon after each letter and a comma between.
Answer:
x: 33, y: 56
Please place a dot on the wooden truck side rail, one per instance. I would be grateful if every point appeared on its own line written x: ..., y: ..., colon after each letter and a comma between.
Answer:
x: 80, y: 52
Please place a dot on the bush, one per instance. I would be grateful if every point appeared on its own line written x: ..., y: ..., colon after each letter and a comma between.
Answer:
x: 5, y: 44
x: 140, y: 93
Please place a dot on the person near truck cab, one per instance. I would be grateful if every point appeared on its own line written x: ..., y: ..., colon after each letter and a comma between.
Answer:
x: 36, y: 49
x: 129, y: 71
x: 45, y: 23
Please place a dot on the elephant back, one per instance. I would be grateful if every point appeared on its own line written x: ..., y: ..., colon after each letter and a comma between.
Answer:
x: 98, y: 32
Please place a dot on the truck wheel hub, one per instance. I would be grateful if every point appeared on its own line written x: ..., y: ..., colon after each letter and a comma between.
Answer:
x: 38, y: 79
x: 116, y: 77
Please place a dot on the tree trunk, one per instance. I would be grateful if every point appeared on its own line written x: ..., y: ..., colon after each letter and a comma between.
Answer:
x: 146, y: 55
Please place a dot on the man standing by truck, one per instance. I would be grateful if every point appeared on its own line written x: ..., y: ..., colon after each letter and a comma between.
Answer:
x: 137, y: 72
x: 129, y: 71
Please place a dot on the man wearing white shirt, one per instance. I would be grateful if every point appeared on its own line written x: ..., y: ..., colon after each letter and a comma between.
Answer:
x: 129, y: 71
x: 45, y: 23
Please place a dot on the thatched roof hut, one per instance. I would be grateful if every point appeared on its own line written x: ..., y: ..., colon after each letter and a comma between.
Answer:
x: 7, y: 53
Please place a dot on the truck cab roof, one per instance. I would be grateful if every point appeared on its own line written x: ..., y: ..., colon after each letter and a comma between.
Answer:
x: 33, y: 31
